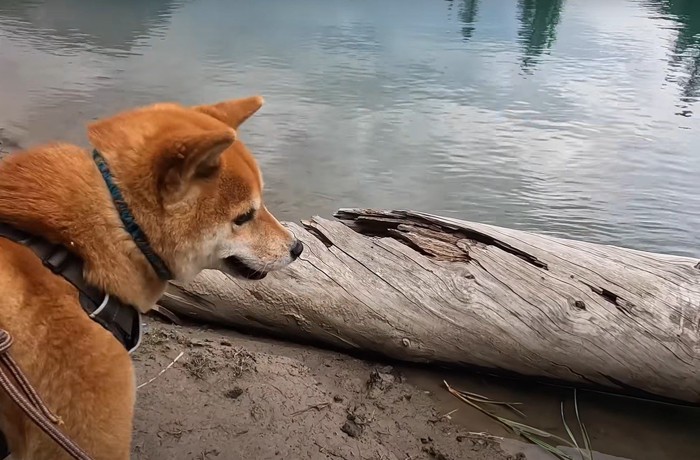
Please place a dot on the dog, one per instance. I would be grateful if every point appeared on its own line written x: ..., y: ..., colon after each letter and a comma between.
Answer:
x: 168, y: 191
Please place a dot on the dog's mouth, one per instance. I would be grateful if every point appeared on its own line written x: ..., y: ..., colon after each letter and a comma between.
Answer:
x: 238, y: 266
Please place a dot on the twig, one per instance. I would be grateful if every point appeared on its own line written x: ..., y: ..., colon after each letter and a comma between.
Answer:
x: 323, y: 450
x: 162, y: 370
x: 483, y: 434
x: 443, y: 416
x: 315, y: 406
x: 280, y: 391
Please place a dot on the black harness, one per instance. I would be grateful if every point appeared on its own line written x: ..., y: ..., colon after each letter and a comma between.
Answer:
x: 122, y: 320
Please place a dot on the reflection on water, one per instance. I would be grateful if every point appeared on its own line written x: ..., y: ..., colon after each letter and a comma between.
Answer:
x: 103, y: 26
x: 538, y: 19
x: 548, y: 115
x: 467, y: 14
x: 685, y: 54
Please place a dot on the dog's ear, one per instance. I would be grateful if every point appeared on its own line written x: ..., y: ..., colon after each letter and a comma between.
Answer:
x: 191, y: 158
x: 233, y: 112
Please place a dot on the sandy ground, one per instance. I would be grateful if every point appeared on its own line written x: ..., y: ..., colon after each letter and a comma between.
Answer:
x: 236, y: 397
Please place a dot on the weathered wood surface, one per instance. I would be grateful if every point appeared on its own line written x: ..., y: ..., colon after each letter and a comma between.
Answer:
x: 424, y: 288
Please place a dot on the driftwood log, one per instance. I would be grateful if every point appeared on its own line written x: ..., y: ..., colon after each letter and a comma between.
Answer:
x: 423, y: 288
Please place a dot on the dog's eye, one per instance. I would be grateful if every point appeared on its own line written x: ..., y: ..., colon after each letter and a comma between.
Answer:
x: 243, y: 218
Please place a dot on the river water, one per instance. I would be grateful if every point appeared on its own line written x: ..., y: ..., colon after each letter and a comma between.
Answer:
x: 578, y: 118
x: 572, y: 117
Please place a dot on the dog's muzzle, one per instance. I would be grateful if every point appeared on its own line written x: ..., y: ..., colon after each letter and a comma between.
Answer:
x: 238, y: 266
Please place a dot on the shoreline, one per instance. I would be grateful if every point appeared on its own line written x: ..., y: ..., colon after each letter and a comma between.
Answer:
x: 247, y: 396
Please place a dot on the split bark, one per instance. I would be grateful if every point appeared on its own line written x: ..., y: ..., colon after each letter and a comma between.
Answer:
x: 424, y: 288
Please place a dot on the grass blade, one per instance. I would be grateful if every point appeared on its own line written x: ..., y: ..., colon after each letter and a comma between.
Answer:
x: 473, y: 395
x: 534, y: 431
x: 517, y: 411
x: 582, y: 427
x: 568, y: 430
x: 487, y: 400
x: 549, y: 448
x: 527, y: 432
x: 483, y: 399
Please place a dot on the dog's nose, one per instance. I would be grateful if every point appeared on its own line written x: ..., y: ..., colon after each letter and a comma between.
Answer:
x: 296, y: 250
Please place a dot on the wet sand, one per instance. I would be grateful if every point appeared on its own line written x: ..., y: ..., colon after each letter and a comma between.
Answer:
x: 237, y: 397
x: 234, y: 396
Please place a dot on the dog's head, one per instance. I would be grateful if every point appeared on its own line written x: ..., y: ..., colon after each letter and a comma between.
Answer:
x: 194, y: 187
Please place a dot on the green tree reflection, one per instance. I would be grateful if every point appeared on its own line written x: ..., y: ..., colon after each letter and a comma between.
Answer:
x: 537, y: 32
x: 467, y: 15
x: 684, y: 62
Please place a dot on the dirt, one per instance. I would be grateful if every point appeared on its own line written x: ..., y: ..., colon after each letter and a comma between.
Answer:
x: 231, y: 396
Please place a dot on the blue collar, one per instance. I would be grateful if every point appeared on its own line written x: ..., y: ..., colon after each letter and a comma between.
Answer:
x: 129, y: 221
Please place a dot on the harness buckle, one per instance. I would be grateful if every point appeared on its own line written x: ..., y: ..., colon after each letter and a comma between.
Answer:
x: 57, y: 259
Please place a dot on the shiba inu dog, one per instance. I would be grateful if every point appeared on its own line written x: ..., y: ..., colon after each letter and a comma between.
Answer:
x: 169, y: 190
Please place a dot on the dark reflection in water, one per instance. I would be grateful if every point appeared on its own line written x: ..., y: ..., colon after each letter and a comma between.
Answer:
x: 103, y: 26
x: 538, y: 27
x: 685, y: 55
x: 467, y: 14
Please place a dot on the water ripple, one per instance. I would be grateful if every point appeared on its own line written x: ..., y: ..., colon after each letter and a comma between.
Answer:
x: 569, y: 117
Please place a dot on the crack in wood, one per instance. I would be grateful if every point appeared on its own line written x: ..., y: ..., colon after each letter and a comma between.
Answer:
x: 582, y: 377
x: 623, y: 305
x: 406, y: 239
x: 317, y: 233
x: 491, y: 241
x: 382, y: 223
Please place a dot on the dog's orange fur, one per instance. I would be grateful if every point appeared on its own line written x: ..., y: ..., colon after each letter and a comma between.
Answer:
x: 186, y: 179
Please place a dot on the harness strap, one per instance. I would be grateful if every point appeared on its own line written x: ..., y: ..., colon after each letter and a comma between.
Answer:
x: 29, y: 401
x: 123, y: 321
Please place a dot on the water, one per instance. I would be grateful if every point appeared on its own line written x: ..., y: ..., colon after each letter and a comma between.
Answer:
x: 578, y: 118
x: 572, y: 117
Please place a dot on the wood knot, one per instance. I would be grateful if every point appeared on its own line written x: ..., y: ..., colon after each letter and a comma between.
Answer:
x: 405, y: 342
x: 580, y: 304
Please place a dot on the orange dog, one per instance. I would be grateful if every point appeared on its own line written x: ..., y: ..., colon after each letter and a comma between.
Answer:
x: 169, y: 191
